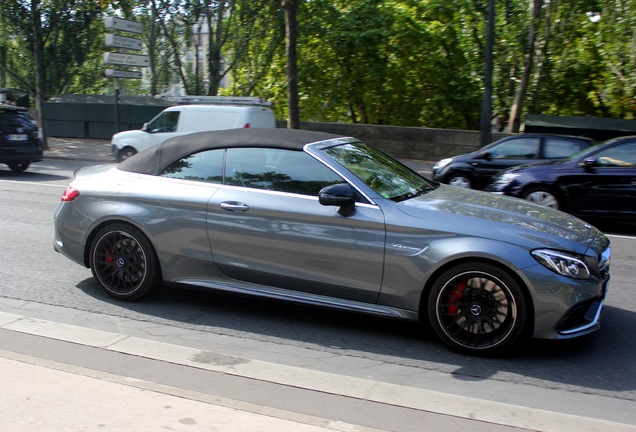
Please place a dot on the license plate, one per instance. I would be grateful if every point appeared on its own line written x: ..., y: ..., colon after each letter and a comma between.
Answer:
x: 17, y: 137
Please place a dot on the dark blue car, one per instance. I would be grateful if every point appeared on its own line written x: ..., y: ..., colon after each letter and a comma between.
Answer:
x: 597, y: 184
x: 475, y: 170
x: 20, y: 143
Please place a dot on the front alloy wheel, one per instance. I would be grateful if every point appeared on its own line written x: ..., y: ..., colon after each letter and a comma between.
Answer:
x: 460, y: 180
x: 123, y: 262
x: 126, y: 153
x: 542, y: 197
x: 477, y: 309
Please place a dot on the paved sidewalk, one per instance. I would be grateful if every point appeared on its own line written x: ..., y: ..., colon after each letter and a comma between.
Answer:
x: 105, y: 374
x: 86, y: 149
x: 46, y: 396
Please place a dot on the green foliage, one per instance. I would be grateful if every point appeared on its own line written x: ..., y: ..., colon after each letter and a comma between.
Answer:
x: 393, y: 62
x: 68, y: 35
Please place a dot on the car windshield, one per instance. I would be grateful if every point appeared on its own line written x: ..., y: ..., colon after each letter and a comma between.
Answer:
x: 384, y: 175
x: 588, y: 150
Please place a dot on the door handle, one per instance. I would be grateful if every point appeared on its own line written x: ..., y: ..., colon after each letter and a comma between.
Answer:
x: 234, y: 206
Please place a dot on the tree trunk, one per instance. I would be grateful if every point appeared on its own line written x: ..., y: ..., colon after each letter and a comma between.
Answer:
x: 216, y: 29
x: 152, y: 48
x: 291, y: 29
x: 40, y: 74
x: 517, y: 106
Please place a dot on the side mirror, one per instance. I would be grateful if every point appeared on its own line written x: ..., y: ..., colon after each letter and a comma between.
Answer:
x: 590, y: 163
x: 486, y: 155
x: 340, y: 195
x: 145, y: 127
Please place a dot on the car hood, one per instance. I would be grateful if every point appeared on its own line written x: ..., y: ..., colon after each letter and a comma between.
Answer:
x: 511, y: 219
x: 467, y: 157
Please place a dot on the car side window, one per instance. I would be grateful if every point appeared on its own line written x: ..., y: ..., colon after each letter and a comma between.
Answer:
x: 166, y: 122
x: 521, y: 148
x: 559, y: 149
x: 619, y: 156
x: 279, y: 170
x: 206, y: 166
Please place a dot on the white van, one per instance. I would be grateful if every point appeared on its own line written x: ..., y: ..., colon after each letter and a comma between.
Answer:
x: 185, y: 119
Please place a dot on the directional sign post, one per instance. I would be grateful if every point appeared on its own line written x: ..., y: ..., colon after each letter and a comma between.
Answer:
x: 115, y: 73
x: 115, y: 41
x: 121, y: 58
x: 123, y: 25
x: 126, y: 59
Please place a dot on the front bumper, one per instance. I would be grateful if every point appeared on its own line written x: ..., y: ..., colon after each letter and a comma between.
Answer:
x: 114, y: 152
x: 567, y: 308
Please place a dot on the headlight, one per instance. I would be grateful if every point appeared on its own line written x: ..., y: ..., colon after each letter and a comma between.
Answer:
x: 441, y: 164
x: 562, y: 263
x: 505, y: 178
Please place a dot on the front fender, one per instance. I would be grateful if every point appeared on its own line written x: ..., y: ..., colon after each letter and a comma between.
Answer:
x: 457, y: 167
x: 412, y: 264
x: 132, y: 138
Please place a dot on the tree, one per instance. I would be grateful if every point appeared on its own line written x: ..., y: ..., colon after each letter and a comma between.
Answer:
x: 395, y: 62
x: 55, y: 38
x: 291, y: 31
x: 257, y: 34
x: 515, y: 112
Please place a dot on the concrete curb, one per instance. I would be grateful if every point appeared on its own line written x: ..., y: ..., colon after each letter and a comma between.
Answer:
x: 495, y: 413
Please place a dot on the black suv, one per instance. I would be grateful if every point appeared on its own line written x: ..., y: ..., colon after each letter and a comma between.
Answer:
x: 19, y: 140
x: 476, y: 170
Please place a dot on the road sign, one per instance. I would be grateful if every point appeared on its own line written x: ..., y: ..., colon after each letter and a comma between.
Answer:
x: 115, y: 73
x: 126, y: 59
x: 123, y: 25
x: 116, y: 41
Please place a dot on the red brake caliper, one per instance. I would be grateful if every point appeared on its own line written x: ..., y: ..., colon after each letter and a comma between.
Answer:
x: 455, y: 297
x: 109, y: 258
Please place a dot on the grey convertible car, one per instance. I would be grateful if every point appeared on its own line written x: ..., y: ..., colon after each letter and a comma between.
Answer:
x: 326, y: 220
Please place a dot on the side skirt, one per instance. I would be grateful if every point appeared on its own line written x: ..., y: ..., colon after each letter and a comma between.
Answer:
x: 301, y: 297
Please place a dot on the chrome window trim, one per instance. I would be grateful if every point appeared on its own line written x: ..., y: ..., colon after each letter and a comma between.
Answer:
x: 288, y: 194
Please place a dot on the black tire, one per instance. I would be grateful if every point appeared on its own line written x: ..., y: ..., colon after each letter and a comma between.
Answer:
x: 126, y: 153
x: 460, y: 180
x: 543, y: 196
x: 477, y: 308
x: 124, y: 262
x: 19, y: 166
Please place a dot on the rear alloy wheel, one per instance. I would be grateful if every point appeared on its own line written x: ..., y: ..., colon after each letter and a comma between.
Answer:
x: 460, y: 180
x: 543, y: 197
x: 477, y: 308
x: 19, y: 167
x: 123, y: 262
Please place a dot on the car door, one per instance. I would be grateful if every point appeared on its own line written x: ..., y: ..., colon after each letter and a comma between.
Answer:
x: 606, y: 185
x: 161, y: 128
x: 516, y: 151
x: 267, y: 227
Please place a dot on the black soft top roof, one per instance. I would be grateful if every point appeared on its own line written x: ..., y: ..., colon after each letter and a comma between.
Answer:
x: 153, y: 160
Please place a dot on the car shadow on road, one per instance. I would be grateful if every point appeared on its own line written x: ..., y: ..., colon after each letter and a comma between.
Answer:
x: 602, y: 361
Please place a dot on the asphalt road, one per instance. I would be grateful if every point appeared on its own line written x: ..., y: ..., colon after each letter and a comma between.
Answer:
x: 590, y: 377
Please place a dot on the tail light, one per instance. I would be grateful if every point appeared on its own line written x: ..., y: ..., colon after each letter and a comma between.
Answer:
x: 246, y: 125
x: 70, y: 194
